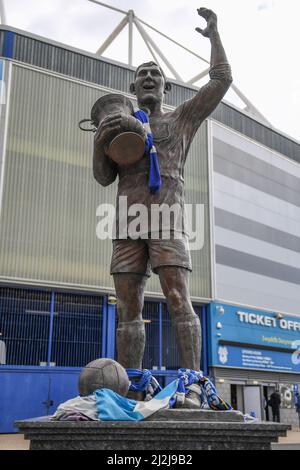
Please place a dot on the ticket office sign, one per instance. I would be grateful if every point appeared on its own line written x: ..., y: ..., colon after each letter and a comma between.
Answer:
x: 249, y: 339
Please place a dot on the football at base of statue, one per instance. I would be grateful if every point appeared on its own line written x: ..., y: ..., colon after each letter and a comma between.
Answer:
x: 103, y: 373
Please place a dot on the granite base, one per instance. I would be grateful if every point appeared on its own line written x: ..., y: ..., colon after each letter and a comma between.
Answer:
x: 174, y: 430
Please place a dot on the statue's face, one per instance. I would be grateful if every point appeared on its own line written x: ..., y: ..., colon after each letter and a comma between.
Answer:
x: 149, y: 85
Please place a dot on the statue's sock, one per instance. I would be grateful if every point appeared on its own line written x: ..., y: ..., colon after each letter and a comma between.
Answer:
x: 188, y: 335
x: 131, y: 344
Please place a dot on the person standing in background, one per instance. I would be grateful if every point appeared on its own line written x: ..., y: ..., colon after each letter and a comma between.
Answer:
x: 266, y: 407
x: 297, y: 405
x: 274, y: 403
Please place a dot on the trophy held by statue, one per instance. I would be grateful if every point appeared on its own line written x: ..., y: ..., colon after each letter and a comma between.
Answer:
x: 126, y: 145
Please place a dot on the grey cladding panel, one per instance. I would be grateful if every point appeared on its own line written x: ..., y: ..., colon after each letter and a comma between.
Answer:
x: 255, y: 165
x: 72, y: 64
x: 257, y: 265
x: 256, y: 230
x: 251, y: 128
x: 254, y: 180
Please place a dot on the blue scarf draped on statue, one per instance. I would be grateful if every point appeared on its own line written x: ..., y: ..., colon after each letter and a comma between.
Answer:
x: 154, y: 182
x: 106, y: 405
x: 113, y: 407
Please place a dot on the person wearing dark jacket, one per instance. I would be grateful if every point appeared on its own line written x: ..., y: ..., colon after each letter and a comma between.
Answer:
x: 274, y: 403
x: 297, y: 406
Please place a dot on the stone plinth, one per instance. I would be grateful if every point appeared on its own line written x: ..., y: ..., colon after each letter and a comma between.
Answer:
x: 155, y: 435
x: 197, y: 415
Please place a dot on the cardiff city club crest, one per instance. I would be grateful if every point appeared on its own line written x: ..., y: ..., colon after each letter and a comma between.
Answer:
x: 223, y: 355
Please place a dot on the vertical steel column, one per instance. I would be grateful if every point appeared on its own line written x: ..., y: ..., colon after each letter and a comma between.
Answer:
x: 111, y: 327
x: 149, y: 40
x: 211, y: 205
x: 2, y: 13
x: 104, y: 326
x: 204, y: 340
x: 160, y: 336
x: 130, y: 36
x: 51, y: 328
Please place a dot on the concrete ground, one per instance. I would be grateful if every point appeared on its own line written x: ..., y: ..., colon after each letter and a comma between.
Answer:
x: 17, y: 442
x: 13, y: 442
x: 291, y: 442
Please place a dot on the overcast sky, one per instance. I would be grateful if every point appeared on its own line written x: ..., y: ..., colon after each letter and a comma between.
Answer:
x: 261, y: 38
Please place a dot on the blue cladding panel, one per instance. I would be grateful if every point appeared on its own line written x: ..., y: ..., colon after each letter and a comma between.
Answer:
x: 8, y: 47
x: 28, y: 403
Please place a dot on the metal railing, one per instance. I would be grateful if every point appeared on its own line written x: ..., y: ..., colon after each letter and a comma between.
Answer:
x: 40, y: 328
x: 49, y: 328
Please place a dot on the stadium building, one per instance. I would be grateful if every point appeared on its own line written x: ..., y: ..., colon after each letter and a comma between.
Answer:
x: 56, y: 311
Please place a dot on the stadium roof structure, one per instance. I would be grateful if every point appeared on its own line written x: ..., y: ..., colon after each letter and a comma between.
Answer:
x: 130, y: 20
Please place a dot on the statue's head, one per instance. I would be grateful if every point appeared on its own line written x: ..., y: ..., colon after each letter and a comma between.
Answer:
x: 150, y: 84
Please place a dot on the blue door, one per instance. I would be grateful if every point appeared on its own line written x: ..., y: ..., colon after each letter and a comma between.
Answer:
x: 31, y: 392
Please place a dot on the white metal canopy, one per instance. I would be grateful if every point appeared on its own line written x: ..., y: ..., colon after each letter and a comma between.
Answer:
x: 2, y: 13
x: 130, y: 19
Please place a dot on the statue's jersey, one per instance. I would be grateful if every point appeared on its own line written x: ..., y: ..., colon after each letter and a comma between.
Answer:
x: 173, y: 134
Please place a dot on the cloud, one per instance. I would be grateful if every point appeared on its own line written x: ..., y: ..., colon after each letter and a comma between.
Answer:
x: 261, y: 46
x: 266, y: 5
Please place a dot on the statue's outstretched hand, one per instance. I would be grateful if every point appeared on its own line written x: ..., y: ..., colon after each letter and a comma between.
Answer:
x: 212, y: 22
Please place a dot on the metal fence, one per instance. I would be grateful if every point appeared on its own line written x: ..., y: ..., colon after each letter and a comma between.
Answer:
x: 152, y: 326
x: 24, y: 326
x: 40, y: 328
x: 169, y: 348
x: 77, y: 329
x: 49, y: 328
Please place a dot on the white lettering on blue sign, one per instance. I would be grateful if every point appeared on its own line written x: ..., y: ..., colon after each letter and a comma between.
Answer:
x: 255, y: 319
x: 270, y: 322
x: 289, y: 325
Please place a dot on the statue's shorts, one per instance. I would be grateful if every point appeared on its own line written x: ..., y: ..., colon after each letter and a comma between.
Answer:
x: 140, y: 256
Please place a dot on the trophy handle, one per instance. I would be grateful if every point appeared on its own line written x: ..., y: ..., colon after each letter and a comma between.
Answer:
x: 91, y: 129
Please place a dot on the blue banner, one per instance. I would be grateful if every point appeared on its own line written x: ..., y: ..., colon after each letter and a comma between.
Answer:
x: 250, y: 339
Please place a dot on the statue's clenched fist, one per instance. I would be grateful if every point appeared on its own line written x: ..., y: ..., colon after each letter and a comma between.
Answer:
x: 212, y: 22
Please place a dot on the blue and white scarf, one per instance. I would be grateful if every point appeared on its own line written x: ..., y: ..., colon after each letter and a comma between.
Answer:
x: 106, y: 405
x: 154, y: 181
x: 113, y: 407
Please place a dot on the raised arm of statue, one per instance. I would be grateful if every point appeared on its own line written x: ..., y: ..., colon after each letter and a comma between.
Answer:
x: 210, y: 95
x: 220, y: 72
